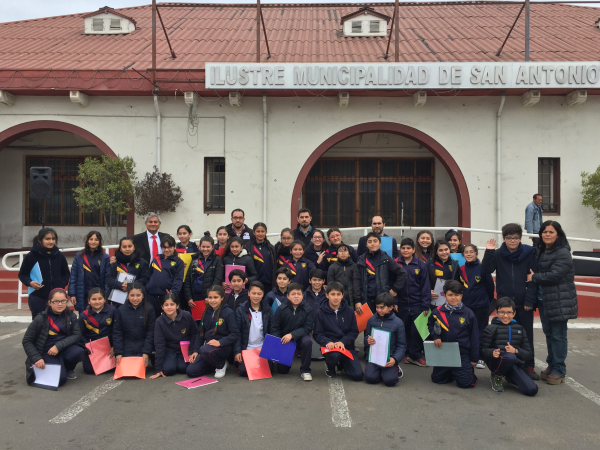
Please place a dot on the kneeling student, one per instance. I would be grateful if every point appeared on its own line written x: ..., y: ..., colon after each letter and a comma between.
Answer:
x: 293, y: 321
x: 254, y: 321
x: 335, y: 327
x: 52, y: 338
x: 96, y: 322
x: 454, y: 322
x: 171, y: 328
x: 385, y: 319
x: 505, y: 349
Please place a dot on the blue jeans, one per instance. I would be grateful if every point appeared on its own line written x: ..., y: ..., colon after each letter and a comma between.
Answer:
x: 556, y: 342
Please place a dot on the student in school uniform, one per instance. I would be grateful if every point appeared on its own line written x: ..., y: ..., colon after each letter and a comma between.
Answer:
x: 315, y: 251
x: 133, y: 329
x: 315, y: 294
x: 173, y: 327
x: 53, y: 338
x: 413, y: 299
x: 279, y: 293
x: 479, y: 290
x: 128, y: 261
x: 165, y: 275
x: 293, y: 321
x: 238, y: 293
x: 454, y: 322
x: 283, y: 249
x: 424, y: 246
x: 205, y: 270
x: 336, y: 328
x: 263, y: 254
x: 237, y: 255
x: 343, y: 271
x: 88, y: 270
x: 505, y: 349
x: 53, y: 267
x: 222, y: 239
x: 299, y: 265
x: 375, y: 274
x: 385, y: 319
x: 184, y: 234
x: 217, y: 333
x: 441, y: 267
x: 330, y: 255
x: 96, y: 322
x: 254, y: 321
x: 454, y: 239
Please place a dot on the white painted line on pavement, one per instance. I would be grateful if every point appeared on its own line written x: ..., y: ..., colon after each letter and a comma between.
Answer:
x: 340, y: 415
x: 15, y: 319
x: 576, y: 326
x: 85, y: 401
x: 16, y: 333
x: 577, y: 387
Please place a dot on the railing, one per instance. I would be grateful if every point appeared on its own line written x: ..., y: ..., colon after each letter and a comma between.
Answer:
x: 21, y: 254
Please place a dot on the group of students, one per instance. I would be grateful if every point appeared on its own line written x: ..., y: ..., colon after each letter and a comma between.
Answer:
x: 305, y: 293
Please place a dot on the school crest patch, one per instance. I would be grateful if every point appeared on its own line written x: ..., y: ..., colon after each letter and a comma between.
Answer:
x: 184, y: 330
x: 462, y: 320
x: 450, y: 267
x: 173, y: 263
x: 417, y: 271
x: 99, y: 262
x: 221, y: 322
x: 109, y: 321
x: 477, y: 278
x: 304, y: 265
x: 137, y: 266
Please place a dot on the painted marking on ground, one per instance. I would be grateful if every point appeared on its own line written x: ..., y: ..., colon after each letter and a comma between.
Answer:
x: 577, y: 387
x: 16, y: 333
x: 15, y: 319
x: 340, y: 415
x: 85, y: 401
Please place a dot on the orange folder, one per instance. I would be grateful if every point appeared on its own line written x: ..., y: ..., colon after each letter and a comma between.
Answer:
x: 256, y: 367
x: 132, y: 366
x: 362, y: 320
x: 99, y: 358
x: 339, y: 350
x: 198, y: 310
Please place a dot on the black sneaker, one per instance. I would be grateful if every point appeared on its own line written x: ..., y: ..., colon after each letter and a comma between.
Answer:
x: 330, y: 372
x: 530, y: 371
x: 400, y: 373
x: 496, y: 381
x: 71, y: 375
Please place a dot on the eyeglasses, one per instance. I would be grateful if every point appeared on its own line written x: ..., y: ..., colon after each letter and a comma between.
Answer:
x: 237, y: 217
x: 317, y: 238
x: 505, y: 313
x: 287, y: 238
x: 59, y: 302
x: 512, y: 239
x: 166, y: 247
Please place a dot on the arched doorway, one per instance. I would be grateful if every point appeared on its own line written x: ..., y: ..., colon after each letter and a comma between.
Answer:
x: 448, y: 162
x: 15, y: 138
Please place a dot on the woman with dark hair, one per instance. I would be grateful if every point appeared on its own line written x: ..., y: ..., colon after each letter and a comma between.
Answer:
x: 53, y: 267
x: 263, y: 254
x: 222, y: 239
x: 554, y: 275
x: 315, y: 251
x: 284, y: 246
x: 184, y: 234
x: 165, y: 275
x: 457, y: 248
x: 441, y: 266
x: 237, y: 255
x: 128, y: 261
x: 88, y: 270
x: 424, y: 245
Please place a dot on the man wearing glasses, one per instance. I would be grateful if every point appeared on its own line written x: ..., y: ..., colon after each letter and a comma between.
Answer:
x: 237, y: 227
x: 512, y: 262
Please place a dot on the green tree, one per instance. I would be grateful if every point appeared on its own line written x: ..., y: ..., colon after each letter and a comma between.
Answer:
x: 106, y: 186
x: 156, y: 192
x: 591, y: 192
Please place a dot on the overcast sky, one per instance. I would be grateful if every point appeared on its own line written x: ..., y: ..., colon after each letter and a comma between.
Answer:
x: 11, y: 10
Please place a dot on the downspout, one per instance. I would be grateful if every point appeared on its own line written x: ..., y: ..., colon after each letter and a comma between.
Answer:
x: 158, y: 119
x: 265, y: 156
x: 499, y: 163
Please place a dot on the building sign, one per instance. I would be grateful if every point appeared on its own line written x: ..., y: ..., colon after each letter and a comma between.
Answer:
x: 471, y: 75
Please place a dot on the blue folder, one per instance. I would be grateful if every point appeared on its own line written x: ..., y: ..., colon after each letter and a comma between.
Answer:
x: 275, y: 305
x: 35, y: 275
x: 459, y: 258
x: 274, y: 350
x: 386, y: 245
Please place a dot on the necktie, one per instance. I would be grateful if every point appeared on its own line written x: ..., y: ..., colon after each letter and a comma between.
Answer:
x: 154, y: 247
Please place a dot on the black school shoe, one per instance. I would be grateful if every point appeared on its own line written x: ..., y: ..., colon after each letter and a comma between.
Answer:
x: 496, y: 381
x: 330, y: 371
x: 530, y: 371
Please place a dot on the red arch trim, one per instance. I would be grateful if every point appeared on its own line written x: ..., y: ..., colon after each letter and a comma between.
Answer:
x: 23, y: 129
x: 458, y: 180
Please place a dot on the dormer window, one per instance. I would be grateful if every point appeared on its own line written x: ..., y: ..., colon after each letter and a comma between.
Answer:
x: 98, y: 24
x: 365, y: 22
x: 108, y: 21
x: 115, y: 25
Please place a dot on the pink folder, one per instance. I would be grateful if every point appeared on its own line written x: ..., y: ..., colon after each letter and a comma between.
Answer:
x: 256, y: 367
x: 198, y: 310
x: 228, y: 269
x: 196, y: 382
x: 185, y: 346
x: 99, y: 358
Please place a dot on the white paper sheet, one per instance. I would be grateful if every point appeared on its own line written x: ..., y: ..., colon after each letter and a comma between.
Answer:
x: 125, y: 278
x: 439, y: 289
x: 117, y: 295
x: 47, y: 378
x: 379, y: 352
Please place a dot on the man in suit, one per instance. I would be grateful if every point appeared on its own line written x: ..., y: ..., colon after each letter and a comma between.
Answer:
x: 148, y: 242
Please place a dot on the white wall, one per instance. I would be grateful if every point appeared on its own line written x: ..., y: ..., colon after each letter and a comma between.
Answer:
x: 465, y: 126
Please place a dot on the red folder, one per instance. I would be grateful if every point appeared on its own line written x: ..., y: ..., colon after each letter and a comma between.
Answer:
x: 339, y: 350
x: 256, y: 367
x: 132, y: 366
x: 362, y: 320
x: 199, y: 309
x: 99, y: 355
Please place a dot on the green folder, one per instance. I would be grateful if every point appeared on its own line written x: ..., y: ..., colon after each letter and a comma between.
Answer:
x: 421, y: 324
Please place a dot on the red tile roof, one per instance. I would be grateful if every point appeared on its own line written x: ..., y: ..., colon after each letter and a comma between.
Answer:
x: 302, y: 33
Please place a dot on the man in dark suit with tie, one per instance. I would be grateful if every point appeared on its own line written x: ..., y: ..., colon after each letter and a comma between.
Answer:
x: 148, y: 242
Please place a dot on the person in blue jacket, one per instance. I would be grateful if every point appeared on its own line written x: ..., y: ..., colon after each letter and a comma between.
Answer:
x: 96, y: 321
x: 165, y: 275
x: 316, y: 248
x: 413, y: 299
x: 315, y: 294
x: 238, y: 293
x: 441, y: 267
x: 127, y: 261
x: 184, y: 234
x: 479, y: 290
x: 133, y: 329
x: 385, y: 319
x: 237, y: 255
x: 330, y: 254
x: 172, y: 328
x: 217, y: 333
x: 454, y: 322
x: 53, y: 267
x: 278, y: 294
x: 264, y: 256
x: 88, y: 270
x: 299, y: 266
x: 336, y: 328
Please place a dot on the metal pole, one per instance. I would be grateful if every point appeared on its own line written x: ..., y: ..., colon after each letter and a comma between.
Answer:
x: 387, y: 50
x: 527, y: 30
x: 397, y: 32
x: 258, y: 12
x: 153, y: 75
x: 510, y: 31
